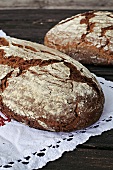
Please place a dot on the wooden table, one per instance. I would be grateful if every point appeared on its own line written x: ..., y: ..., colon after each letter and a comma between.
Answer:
x: 97, y: 152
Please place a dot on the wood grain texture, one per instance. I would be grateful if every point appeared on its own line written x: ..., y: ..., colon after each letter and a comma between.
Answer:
x: 59, y: 4
x: 97, y: 152
x: 82, y: 159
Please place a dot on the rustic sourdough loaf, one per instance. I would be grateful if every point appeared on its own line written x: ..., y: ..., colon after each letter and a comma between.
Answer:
x: 46, y: 89
x: 86, y: 37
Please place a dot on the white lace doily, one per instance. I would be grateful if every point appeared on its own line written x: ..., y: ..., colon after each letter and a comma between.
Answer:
x: 25, y: 148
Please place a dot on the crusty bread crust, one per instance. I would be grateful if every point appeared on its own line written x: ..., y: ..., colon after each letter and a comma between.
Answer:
x: 85, y: 37
x: 46, y: 89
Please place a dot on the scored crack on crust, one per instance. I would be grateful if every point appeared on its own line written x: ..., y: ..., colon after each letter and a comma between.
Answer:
x: 85, y: 37
x: 46, y: 89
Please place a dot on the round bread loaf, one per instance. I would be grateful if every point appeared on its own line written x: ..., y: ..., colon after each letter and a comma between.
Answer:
x: 86, y: 37
x: 46, y: 89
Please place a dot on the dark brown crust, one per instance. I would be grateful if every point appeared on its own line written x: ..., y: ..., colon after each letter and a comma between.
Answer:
x: 65, y: 123
x: 76, y: 76
x: 4, y: 82
x: 24, y: 65
x: 4, y: 42
x: 88, y: 15
x: 76, y: 122
x: 84, y: 51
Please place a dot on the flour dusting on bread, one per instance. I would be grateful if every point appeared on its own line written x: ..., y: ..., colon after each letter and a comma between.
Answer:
x: 86, y: 37
x: 47, y: 89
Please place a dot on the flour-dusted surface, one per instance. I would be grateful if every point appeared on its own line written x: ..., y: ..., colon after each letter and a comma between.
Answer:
x: 25, y: 148
x: 46, y: 89
x: 86, y: 37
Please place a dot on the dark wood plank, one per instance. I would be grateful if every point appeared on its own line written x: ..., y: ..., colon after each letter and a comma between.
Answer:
x: 104, y: 71
x: 103, y: 141
x: 31, y: 24
x: 82, y: 159
x: 42, y: 14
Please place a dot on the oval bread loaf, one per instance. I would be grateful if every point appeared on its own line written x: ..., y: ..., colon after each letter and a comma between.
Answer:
x: 86, y: 37
x: 46, y: 89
